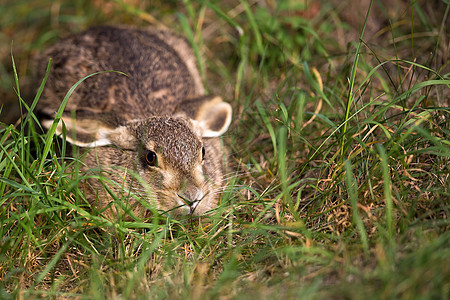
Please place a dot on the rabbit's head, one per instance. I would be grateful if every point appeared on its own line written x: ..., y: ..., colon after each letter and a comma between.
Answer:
x: 172, y: 163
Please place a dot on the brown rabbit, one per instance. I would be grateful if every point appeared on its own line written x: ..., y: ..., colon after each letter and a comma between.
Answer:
x: 153, y: 132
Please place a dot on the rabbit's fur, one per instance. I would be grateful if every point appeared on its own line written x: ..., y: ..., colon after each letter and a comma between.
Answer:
x: 153, y: 132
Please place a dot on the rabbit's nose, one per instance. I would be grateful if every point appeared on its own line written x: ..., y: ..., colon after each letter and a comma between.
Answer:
x: 192, y: 201
x: 192, y: 198
x: 194, y: 204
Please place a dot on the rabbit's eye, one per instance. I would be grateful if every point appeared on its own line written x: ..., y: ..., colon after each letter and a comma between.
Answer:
x: 203, y: 153
x: 150, y: 158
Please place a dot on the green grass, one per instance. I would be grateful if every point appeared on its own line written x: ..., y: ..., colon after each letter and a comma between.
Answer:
x: 338, y: 185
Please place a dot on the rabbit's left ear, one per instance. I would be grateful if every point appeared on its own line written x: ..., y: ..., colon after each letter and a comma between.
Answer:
x: 93, y: 133
x: 209, y: 114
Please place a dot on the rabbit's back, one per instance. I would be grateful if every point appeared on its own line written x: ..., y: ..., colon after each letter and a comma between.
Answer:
x: 159, y: 66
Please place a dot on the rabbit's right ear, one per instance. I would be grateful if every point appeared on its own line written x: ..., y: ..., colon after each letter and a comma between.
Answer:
x: 93, y: 133
x: 214, y: 118
x: 208, y: 113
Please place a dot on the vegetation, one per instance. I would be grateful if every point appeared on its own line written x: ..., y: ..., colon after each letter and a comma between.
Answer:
x: 339, y: 178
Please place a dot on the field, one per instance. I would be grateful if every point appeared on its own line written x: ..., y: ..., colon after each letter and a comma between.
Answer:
x: 338, y: 179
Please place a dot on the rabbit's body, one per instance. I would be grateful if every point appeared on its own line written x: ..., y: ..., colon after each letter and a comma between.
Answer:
x: 154, y: 132
x: 161, y: 70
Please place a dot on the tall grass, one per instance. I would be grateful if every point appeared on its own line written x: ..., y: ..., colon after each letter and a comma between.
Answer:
x: 336, y: 188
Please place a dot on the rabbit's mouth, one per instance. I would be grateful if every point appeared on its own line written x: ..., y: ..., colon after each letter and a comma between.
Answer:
x: 191, y: 204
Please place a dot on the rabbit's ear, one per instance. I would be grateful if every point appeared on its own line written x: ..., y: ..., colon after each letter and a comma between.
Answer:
x: 210, y: 114
x: 92, y: 133
x: 215, y: 120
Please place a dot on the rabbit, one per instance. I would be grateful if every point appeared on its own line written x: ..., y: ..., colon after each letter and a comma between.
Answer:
x: 151, y: 130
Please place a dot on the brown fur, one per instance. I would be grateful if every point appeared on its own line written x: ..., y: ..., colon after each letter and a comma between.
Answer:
x: 160, y: 106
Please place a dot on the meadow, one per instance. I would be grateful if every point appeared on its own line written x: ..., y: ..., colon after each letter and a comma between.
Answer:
x: 338, y: 176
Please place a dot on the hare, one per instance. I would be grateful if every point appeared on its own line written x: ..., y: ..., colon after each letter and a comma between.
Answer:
x: 150, y: 130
